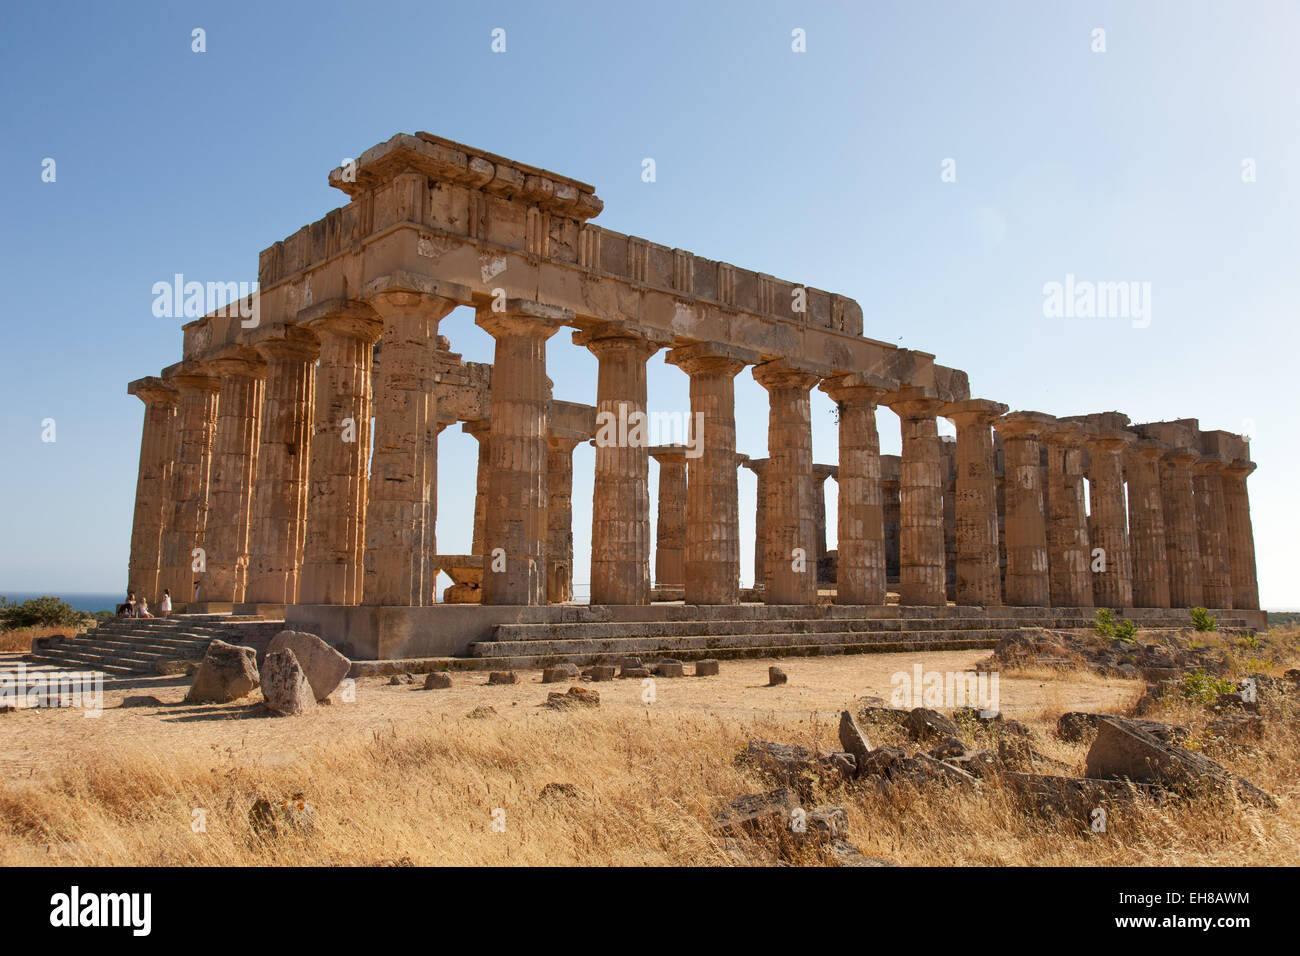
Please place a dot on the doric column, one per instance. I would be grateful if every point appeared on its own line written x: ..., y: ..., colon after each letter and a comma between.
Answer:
x: 157, y: 452
x: 1212, y: 531
x: 820, y: 474
x: 516, y: 532
x: 332, y: 563
x: 790, y: 549
x: 1112, y: 586
x: 1028, y: 580
x: 620, y: 511
x: 480, y: 429
x: 759, y: 467
x: 861, y: 530
x: 279, y: 525
x: 670, y: 526
x: 1146, y: 516
x: 979, y: 580
x: 402, y: 502
x: 1068, y: 550
x: 196, y: 419
x: 712, y: 552
x: 559, y: 516
x: 1241, y: 536
x: 1181, y: 539
x: 234, y: 468
x: 891, y: 508
x: 948, y: 472
x: 921, y: 551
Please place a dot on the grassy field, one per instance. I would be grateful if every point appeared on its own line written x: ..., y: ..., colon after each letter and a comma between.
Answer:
x: 412, y: 779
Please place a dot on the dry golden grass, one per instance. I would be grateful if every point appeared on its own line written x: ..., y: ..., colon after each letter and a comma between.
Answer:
x: 20, y: 638
x: 424, y: 788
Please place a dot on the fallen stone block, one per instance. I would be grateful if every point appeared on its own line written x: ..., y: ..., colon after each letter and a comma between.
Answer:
x: 574, y: 697
x: 324, y: 666
x: 923, y: 723
x: 285, y: 687
x: 1078, y: 725
x: 437, y: 680
x: 1075, y: 798
x: 706, y: 668
x: 670, y: 668
x: 775, y: 677
x: 1129, y: 751
x: 503, y: 677
x: 558, y: 673
x: 844, y: 853
x: 852, y: 739
x: 599, y: 672
x: 758, y: 813
x: 635, y: 673
x: 272, y: 818
x: 228, y: 672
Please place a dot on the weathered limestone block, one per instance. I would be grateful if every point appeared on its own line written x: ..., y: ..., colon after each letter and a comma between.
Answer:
x: 279, y: 524
x: 196, y: 415
x: 285, y: 687
x: 922, y: 575
x: 1069, y: 550
x: 790, y: 565
x: 861, y: 578
x: 515, y: 538
x: 234, y: 466
x: 332, y: 569
x: 670, y: 526
x: 1027, y: 581
x: 1147, y: 525
x: 979, y: 580
x: 712, y: 549
x: 324, y: 666
x: 227, y: 672
x: 158, y: 449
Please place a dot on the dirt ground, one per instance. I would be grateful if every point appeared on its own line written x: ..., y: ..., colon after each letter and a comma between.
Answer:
x: 34, y: 741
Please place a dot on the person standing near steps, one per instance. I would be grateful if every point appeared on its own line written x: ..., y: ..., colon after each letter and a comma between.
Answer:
x: 165, y: 605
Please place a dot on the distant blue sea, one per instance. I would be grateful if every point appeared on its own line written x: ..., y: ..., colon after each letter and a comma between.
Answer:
x: 79, y: 602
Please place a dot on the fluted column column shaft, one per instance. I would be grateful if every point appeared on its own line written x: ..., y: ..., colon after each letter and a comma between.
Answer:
x: 712, y: 548
x: 1028, y: 580
x: 860, y: 526
x: 670, y: 524
x: 157, y: 452
x: 790, y: 548
x: 1241, y: 536
x: 922, y: 574
x: 1069, y: 551
x: 1107, y: 525
x: 516, y: 534
x: 480, y: 431
x: 197, y: 428
x: 333, y: 565
x: 1181, y: 538
x: 1147, y: 527
x: 979, y: 579
x: 559, y: 519
x: 1212, y: 529
x: 234, y: 468
x: 279, y: 525
x: 620, y: 514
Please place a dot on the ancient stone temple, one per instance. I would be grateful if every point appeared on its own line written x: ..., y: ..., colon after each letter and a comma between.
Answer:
x: 289, y: 466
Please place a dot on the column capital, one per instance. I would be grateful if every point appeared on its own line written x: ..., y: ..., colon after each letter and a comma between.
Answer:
x: 1181, y: 457
x: 620, y: 333
x: 191, y: 375
x: 789, y: 373
x: 1211, y: 464
x: 238, y: 361
x: 1067, y: 433
x: 669, y: 454
x: 972, y: 411
x: 1240, y: 468
x: 1113, y: 440
x: 347, y: 317
x: 152, y: 390
x: 523, y: 318
x: 716, y: 358
x: 564, y: 439
x: 756, y: 465
x: 1024, y: 424
x: 285, y: 342
x: 408, y: 293
x: 913, y: 401
x: 858, y: 387
x: 1148, y: 448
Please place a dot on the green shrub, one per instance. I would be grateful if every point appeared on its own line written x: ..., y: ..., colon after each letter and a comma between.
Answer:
x: 38, y: 612
x: 1204, y: 688
x: 1105, y: 622
x: 1202, y: 619
x: 1125, y: 631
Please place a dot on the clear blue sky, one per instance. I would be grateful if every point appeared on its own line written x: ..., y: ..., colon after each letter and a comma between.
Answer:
x: 821, y: 167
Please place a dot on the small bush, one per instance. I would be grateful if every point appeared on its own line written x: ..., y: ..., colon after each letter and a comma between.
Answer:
x: 1202, y: 619
x: 1204, y: 688
x: 38, y: 612
x: 1125, y: 631
x: 1105, y: 622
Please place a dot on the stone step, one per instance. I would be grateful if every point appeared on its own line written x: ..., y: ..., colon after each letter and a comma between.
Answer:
x: 168, y: 649
x: 738, y: 643
x: 78, y: 662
